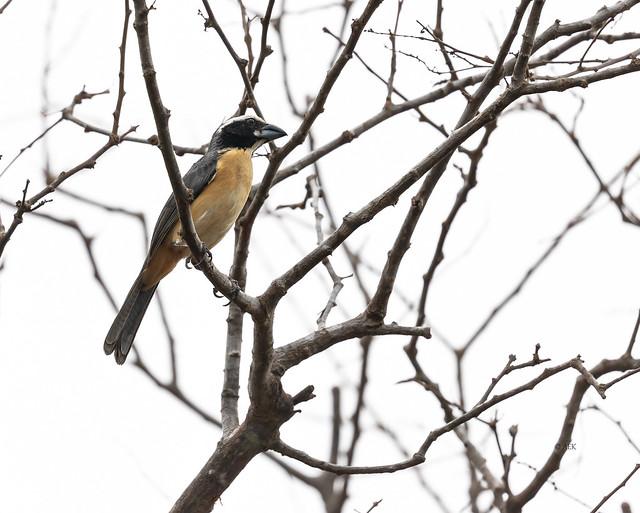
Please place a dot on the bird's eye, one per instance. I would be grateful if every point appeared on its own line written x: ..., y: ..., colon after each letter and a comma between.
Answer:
x: 251, y: 122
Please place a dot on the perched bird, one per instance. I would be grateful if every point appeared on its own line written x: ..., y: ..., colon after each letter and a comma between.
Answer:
x: 220, y: 181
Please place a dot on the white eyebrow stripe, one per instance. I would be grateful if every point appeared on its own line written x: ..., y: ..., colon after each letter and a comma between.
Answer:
x: 242, y: 118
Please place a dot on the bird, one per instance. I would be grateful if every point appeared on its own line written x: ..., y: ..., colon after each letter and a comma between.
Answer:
x: 220, y: 183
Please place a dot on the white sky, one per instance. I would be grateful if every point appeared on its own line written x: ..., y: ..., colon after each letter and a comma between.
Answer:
x: 78, y: 433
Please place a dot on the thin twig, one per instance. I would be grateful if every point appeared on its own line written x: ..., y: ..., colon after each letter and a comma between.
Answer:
x: 469, y: 182
x: 618, y: 423
x: 326, y: 262
x: 25, y: 148
x: 509, y: 368
x: 392, y: 66
x: 421, y: 115
x: 595, y: 38
x: 123, y: 52
x: 240, y: 63
x: 634, y: 336
x: 38, y: 200
x: 612, y: 492
x: 5, y: 5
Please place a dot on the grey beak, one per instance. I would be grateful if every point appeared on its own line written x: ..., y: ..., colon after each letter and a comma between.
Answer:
x: 270, y: 132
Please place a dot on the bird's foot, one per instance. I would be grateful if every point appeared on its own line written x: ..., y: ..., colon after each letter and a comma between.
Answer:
x: 235, y: 290
x: 189, y: 263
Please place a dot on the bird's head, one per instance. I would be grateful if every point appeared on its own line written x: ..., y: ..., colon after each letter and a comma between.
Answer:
x: 245, y: 132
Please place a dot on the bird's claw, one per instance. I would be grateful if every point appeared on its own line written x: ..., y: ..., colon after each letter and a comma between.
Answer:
x: 207, y: 256
x: 235, y: 290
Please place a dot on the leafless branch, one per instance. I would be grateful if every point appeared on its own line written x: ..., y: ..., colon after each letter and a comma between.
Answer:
x: 469, y: 182
x: 392, y: 67
x: 296, y: 352
x: 240, y: 63
x: 634, y: 337
x: 612, y: 492
x: 25, y: 148
x: 509, y: 367
x: 5, y: 5
x: 336, y: 280
x: 528, y: 38
x: 588, y: 378
x: 618, y: 423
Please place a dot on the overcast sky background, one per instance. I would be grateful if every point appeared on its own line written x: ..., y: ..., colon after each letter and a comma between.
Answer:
x: 78, y: 433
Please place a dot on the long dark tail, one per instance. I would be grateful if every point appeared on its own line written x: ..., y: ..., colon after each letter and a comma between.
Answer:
x: 126, y: 324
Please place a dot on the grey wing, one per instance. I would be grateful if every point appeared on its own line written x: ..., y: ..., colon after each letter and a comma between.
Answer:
x: 196, y: 179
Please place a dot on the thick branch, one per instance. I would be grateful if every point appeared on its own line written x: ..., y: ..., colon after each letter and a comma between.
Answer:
x: 295, y: 352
